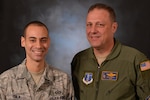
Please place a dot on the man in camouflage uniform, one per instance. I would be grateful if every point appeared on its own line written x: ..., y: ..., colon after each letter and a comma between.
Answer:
x: 34, y: 79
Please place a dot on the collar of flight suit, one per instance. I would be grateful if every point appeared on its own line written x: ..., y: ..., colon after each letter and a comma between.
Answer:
x: 114, y: 53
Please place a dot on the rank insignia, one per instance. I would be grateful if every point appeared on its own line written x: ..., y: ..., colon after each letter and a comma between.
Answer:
x: 108, y: 75
x: 145, y: 65
x: 88, y: 78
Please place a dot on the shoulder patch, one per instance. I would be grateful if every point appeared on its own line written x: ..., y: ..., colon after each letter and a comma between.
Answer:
x: 148, y: 98
x: 145, y: 65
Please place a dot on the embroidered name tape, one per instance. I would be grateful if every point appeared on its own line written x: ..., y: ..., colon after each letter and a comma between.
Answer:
x: 109, y: 75
x: 145, y: 65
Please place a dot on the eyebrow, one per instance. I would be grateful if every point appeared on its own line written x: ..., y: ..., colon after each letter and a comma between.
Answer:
x: 40, y: 38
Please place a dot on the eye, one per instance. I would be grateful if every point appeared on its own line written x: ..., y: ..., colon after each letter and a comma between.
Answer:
x: 43, y: 40
x: 32, y: 40
x: 100, y: 25
x: 89, y: 24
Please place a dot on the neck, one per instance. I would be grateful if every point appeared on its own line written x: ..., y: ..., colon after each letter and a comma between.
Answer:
x: 34, y: 66
x: 103, y: 52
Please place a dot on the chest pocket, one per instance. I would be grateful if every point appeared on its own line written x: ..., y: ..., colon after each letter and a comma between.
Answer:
x: 122, y: 89
x: 18, y: 96
x: 18, y: 90
x: 57, y: 93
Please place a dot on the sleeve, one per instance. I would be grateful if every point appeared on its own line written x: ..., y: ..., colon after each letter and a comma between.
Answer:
x: 74, y: 64
x: 2, y: 96
x: 143, y: 79
x: 70, y: 90
x: 2, y: 93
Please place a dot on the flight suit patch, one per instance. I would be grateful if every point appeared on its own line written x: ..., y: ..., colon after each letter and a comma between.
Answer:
x: 88, y: 78
x: 145, y: 65
x: 148, y: 98
x: 109, y: 75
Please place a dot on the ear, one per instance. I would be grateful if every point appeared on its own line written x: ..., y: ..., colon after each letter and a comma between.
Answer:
x: 22, y: 41
x: 114, y: 27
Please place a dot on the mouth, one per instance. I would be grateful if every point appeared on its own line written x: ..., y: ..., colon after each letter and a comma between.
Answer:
x: 38, y: 52
x: 94, y: 37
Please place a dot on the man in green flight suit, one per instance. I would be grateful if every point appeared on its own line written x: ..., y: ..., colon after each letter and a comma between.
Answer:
x: 109, y: 70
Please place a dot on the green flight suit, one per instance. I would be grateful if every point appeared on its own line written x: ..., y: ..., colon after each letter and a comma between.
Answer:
x: 119, y: 77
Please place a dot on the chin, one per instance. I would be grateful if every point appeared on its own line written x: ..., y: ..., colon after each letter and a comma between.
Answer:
x: 38, y: 59
x: 95, y: 45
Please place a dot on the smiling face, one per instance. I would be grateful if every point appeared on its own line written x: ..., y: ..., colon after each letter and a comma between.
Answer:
x: 36, y: 42
x: 100, y: 28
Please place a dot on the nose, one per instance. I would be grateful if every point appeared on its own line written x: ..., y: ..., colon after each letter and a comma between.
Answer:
x: 38, y: 44
x: 93, y: 29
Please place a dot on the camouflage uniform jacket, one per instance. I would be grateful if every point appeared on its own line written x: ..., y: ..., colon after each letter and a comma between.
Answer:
x: 17, y: 84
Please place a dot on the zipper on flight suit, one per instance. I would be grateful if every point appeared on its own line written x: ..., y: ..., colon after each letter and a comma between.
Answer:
x: 98, y: 75
x: 97, y: 82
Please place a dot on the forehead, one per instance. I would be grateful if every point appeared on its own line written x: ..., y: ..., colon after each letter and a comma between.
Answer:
x: 98, y: 14
x: 36, y: 31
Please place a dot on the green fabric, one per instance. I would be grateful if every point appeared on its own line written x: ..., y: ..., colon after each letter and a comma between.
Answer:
x: 130, y: 83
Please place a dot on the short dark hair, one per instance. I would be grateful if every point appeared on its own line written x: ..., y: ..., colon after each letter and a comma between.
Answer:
x: 105, y: 7
x: 38, y: 23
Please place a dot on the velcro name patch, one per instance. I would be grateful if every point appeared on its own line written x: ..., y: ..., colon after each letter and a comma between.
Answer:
x: 109, y: 75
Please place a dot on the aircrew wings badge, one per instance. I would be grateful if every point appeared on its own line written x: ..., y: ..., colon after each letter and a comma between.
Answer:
x: 88, y: 78
x: 109, y: 75
x: 145, y: 65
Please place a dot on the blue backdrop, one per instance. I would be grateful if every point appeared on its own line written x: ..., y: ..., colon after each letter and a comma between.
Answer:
x: 66, y: 22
